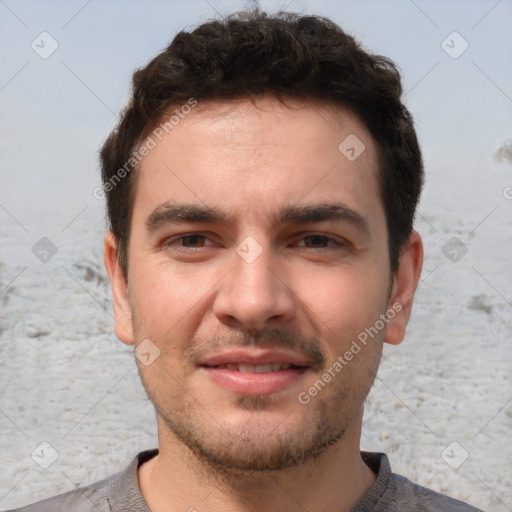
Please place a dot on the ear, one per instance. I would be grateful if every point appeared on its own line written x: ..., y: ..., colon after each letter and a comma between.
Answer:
x: 122, y: 310
x: 402, y: 293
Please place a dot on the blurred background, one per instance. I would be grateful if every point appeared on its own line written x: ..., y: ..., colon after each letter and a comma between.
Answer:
x: 72, y: 408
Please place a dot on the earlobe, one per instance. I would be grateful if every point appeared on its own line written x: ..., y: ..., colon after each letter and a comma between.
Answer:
x: 403, y: 289
x: 118, y: 284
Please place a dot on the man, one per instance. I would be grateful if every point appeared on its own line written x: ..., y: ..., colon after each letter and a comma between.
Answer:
x: 261, y: 188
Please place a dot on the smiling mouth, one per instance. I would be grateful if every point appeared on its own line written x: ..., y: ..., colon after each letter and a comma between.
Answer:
x: 257, y: 368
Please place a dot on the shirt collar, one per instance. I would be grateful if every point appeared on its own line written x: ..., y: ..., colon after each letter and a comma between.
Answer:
x: 125, y: 496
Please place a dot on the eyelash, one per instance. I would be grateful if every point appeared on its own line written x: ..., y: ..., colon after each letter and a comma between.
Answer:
x: 171, y: 242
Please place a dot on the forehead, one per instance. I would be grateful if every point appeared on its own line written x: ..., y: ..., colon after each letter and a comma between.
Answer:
x: 261, y: 153
x: 258, y: 121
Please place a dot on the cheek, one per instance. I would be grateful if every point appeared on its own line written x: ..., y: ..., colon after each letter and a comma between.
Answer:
x: 153, y: 302
x: 344, y: 304
x: 165, y: 300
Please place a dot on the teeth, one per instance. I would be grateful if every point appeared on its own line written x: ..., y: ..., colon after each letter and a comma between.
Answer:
x: 263, y: 368
x: 256, y: 368
x: 246, y: 368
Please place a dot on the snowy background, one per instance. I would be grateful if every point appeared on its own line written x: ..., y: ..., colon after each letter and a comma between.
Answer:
x: 70, y: 396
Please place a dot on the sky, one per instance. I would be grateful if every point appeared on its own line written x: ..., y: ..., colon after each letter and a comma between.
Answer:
x: 56, y: 110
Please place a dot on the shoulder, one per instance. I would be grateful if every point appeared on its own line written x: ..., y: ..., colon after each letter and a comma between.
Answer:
x: 392, y: 492
x: 412, y: 496
x: 94, y: 497
x: 119, y: 492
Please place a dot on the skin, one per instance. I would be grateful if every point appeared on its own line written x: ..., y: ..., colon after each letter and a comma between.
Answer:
x: 193, y: 297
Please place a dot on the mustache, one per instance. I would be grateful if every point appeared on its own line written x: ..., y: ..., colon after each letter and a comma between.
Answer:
x: 310, y: 348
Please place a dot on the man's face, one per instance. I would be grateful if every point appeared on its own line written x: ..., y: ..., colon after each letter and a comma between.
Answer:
x: 229, y: 302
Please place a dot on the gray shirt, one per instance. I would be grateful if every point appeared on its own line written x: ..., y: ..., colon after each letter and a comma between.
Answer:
x: 121, y: 493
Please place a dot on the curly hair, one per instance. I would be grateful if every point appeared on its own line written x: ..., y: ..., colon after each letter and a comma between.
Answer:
x: 249, y: 54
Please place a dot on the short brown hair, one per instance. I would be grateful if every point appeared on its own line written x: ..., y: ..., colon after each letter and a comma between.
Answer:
x: 250, y: 54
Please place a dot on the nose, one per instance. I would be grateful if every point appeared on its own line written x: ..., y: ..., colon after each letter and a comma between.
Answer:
x: 255, y: 294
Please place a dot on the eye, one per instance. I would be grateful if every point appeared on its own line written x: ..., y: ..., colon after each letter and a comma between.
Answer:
x: 319, y: 241
x: 187, y: 241
x: 195, y: 241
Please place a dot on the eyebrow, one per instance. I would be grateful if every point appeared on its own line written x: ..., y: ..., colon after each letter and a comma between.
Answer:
x: 175, y: 213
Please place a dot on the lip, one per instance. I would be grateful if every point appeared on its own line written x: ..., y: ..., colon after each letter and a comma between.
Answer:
x: 254, y: 383
x: 255, y: 356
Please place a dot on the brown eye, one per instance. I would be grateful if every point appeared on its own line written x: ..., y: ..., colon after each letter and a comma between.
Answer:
x: 318, y: 241
x: 191, y: 240
x: 188, y: 241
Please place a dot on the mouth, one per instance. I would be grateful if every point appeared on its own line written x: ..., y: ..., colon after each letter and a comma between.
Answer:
x: 258, y: 371
x: 256, y: 368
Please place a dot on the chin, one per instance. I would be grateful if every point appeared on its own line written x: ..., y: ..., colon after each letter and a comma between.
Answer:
x: 261, y: 442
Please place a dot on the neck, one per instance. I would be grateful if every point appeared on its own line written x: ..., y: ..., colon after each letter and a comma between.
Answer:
x: 175, y: 480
